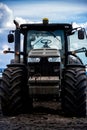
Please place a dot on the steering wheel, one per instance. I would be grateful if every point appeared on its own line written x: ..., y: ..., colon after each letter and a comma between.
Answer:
x: 46, y: 42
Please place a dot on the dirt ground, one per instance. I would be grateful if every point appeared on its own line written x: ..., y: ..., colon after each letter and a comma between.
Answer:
x: 45, y: 116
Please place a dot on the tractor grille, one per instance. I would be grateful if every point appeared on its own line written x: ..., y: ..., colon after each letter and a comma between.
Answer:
x: 43, y: 52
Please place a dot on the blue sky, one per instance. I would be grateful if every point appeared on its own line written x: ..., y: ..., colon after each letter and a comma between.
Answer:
x: 29, y: 11
x: 55, y: 10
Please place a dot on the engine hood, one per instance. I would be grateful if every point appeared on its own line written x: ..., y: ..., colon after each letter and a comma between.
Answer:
x: 44, y: 52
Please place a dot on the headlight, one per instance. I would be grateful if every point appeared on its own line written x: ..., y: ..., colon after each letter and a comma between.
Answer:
x: 33, y: 59
x: 54, y: 59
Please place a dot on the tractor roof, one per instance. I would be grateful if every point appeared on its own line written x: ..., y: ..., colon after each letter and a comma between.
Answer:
x: 49, y: 26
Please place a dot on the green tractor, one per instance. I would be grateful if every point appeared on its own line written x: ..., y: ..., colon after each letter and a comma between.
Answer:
x: 44, y: 68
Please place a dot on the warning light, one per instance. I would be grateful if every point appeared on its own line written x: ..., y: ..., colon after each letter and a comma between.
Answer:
x: 45, y: 20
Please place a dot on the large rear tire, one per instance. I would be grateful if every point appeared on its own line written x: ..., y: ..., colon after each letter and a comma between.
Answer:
x: 14, y: 91
x: 74, y: 92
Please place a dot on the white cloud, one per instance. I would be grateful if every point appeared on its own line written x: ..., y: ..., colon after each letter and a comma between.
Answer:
x: 55, y: 11
x: 5, y: 47
x: 30, y: 13
x: 75, y: 25
x: 6, y: 16
x: 83, y: 25
x: 1, y: 52
x: 21, y: 20
x: 1, y: 30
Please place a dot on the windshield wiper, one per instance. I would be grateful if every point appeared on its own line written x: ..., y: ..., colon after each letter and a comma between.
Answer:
x: 38, y: 41
x: 54, y: 35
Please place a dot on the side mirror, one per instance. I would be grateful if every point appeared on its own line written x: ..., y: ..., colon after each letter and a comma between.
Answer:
x: 10, y: 38
x: 81, y: 34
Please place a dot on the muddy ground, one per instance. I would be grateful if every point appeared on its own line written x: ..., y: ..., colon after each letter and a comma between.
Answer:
x: 45, y: 116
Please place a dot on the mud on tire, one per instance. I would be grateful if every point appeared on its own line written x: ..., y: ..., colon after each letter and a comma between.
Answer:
x: 14, y: 91
x: 74, y: 92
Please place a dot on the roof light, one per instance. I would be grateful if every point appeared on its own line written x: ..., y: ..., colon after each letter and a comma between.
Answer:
x: 45, y: 20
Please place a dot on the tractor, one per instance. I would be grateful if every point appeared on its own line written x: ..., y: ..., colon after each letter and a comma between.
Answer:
x: 44, y: 68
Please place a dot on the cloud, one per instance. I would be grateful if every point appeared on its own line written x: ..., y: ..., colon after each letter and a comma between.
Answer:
x: 34, y: 12
x: 21, y: 20
x: 83, y: 25
x: 55, y: 11
x: 1, y: 52
x: 6, y: 16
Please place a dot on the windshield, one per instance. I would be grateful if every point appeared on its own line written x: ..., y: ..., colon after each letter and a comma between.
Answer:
x: 45, y: 39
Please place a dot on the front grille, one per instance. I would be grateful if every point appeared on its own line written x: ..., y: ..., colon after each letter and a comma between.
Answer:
x: 43, y: 52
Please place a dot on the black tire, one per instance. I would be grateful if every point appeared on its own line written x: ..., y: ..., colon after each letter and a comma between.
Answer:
x: 74, y: 92
x: 14, y: 91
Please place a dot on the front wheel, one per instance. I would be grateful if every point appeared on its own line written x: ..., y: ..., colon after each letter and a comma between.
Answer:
x: 14, y: 91
x: 74, y: 92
